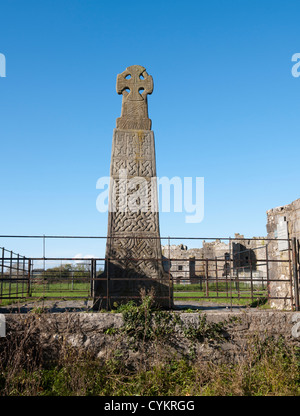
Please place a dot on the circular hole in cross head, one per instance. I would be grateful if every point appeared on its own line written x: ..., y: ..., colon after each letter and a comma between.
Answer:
x: 142, y: 76
x: 128, y: 76
x: 127, y: 90
x: 141, y: 90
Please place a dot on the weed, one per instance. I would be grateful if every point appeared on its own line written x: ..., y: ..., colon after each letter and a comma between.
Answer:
x: 268, y: 367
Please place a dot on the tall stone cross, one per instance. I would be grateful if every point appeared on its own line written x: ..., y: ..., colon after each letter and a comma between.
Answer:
x: 133, y: 250
x: 134, y: 114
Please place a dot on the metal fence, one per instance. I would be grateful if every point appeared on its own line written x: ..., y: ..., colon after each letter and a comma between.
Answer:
x: 15, y: 275
x: 240, y: 276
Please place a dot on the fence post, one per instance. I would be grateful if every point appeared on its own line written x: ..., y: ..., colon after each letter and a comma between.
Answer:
x: 10, y: 273
x: 2, y: 271
x: 295, y: 273
x: 29, y: 274
x: 217, y: 287
x: 17, y: 279
x: 290, y: 260
x: 107, y: 285
x: 268, y: 276
x: 230, y: 270
x: 251, y: 275
x: 93, y: 276
x: 170, y: 278
x: 206, y: 277
x: 91, y: 279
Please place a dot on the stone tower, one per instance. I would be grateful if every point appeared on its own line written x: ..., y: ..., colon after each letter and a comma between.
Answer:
x: 133, y: 249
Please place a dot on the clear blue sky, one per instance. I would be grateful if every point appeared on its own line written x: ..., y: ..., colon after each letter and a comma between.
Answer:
x: 225, y: 107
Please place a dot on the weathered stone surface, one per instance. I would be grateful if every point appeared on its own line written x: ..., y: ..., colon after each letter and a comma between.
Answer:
x: 134, y: 113
x: 133, y: 250
x: 187, y: 265
x: 282, y: 289
x: 97, y: 333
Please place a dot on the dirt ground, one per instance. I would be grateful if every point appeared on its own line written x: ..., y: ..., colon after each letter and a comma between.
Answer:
x: 85, y: 306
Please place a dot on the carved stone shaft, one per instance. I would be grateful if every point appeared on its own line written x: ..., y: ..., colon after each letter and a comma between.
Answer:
x: 133, y: 250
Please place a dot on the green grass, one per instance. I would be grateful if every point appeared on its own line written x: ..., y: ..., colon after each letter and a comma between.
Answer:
x: 244, y: 299
x: 225, y: 294
x: 60, y: 289
x: 223, y: 287
x: 45, y: 290
x: 67, y: 290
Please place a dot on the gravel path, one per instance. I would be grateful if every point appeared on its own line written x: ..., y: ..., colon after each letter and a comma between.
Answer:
x: 84, y: 305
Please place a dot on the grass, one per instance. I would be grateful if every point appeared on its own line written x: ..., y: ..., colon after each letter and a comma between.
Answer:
x: 267, y: 367
x: 222, y: 294
x: 68, y: 290
x: 45, y: 290
x: 173, y: 378
x: 222, y: 287
x: 217, y: 297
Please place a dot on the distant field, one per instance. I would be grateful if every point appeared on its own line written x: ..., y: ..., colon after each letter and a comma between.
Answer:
x: 223, y: 293
x: 14, y: 292
x: 45, y: 290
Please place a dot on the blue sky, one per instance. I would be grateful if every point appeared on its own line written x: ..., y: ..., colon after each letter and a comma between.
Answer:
x: 225, y: 107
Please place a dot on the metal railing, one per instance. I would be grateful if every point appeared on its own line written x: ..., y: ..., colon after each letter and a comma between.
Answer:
x: 237, y: 277
x: 15, y: 273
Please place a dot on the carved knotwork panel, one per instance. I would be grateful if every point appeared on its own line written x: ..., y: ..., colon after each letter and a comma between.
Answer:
x: 133, y: 254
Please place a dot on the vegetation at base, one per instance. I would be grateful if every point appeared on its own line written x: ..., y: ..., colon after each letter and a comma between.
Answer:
x: 268, y: 367
x: 271, y: 369
x: 145, y: 323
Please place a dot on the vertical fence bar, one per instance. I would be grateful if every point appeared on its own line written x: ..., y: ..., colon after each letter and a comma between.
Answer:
x: 170, y: 277
x: 29, y: 277
x: 291, y: 274
x: 262, y: 282
x: 251, y: 276
x: 206, y: 278
x: 44, y: 250
x: 95, y: 277
x: 107, y: 284
x: 295, y: 273
x: 217, y: 287
x: 2, y: 271
x: 23, y: 270
x: 92, y: 278
x: 201, y: 275
x: 10, y: 274
x: 237, y: 281
x: 226, y: 274
x: 230, y: 271
x: 268, y: 276
x: 17, y: 280
x: 2, y: 263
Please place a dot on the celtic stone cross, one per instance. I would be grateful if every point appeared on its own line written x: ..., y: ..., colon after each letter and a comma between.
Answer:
x: 134, y: 114
x: 133, y: 249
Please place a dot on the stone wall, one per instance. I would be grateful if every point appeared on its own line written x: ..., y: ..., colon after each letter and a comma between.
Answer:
x: 249, y: 258
x: 183, y: 265
x: 97, y: 333
x: 282, y: 222
x: 187, y: 264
